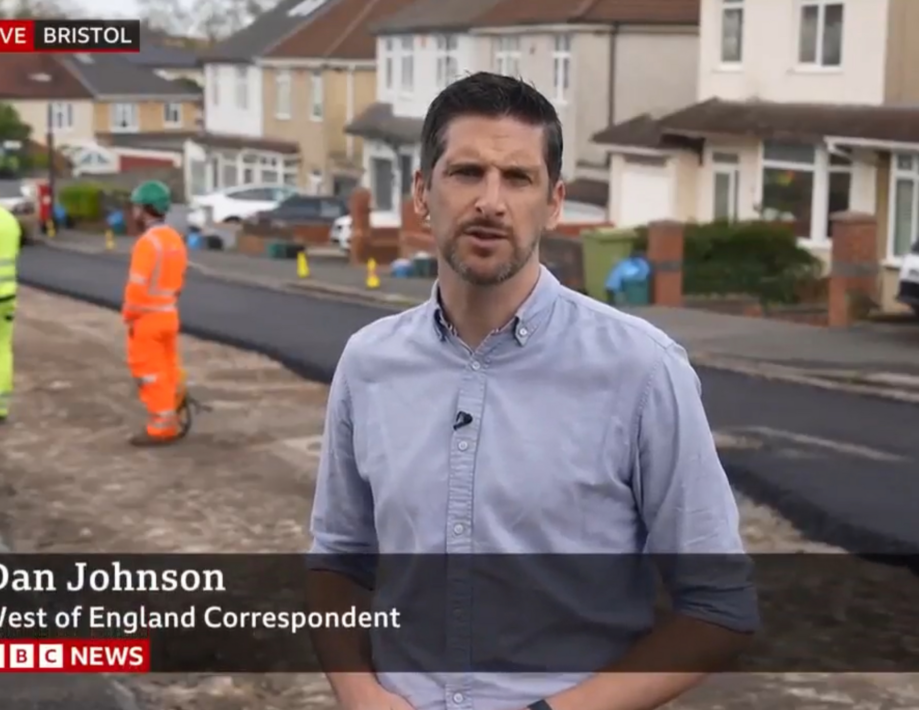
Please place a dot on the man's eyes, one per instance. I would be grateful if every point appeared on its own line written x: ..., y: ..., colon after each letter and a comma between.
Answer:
x: 512, y: 176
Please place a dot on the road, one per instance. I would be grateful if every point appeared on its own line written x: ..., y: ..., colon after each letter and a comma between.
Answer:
x: 841, y: 467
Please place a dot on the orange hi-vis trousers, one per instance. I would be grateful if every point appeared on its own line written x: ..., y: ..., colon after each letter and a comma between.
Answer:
x: 158, y: 263
x: 153, y: 358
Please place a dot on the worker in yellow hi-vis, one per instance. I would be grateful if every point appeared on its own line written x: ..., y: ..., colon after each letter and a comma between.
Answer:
x: 10, y: 241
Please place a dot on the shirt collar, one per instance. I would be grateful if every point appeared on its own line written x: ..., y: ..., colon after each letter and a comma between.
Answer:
x: 526, y: 321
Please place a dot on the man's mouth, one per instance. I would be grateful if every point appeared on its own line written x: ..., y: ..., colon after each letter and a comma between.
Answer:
x: 485, y: 233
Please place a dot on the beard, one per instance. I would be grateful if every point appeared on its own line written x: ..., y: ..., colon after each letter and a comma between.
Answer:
x: 490, y: 265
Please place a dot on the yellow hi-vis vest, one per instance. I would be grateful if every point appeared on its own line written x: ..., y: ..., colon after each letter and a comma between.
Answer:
x: 10, y: 237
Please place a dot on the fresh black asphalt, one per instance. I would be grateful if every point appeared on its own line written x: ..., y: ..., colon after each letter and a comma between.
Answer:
x: 857, y: 502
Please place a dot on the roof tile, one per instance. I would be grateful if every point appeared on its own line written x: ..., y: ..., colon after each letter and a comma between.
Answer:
x: 17, y: 82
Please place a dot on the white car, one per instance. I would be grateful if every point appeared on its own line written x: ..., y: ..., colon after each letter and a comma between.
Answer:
x: 341, y: 227
x: 909, y: 279
x: 235, y: 204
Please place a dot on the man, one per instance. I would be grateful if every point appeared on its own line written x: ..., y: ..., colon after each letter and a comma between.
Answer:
x: 151, y: 312
x: 510, y: 415
x: 10, y: 241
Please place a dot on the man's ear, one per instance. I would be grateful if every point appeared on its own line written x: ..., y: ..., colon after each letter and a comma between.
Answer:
x: 420, y: 195
x: 556, y: 201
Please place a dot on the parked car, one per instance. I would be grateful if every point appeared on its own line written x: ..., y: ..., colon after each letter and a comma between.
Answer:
x: 909, y: 279
x: 19, y: 198
x: 304, y: 209
x: 234, y: 204
x: 341, y: 227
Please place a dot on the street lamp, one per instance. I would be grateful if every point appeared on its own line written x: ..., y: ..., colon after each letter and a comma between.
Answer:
x: 49, y: 122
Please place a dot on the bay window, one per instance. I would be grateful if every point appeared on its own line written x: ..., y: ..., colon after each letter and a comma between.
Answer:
x: 788, y: 184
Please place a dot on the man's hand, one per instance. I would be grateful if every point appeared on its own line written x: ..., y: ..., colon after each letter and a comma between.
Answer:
x: 377, y: 698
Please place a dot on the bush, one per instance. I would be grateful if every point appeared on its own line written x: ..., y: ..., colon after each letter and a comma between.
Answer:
x: 82, y: 201
x: 760, y: 259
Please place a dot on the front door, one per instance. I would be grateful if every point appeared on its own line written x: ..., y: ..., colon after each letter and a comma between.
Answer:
x: 381, y: 172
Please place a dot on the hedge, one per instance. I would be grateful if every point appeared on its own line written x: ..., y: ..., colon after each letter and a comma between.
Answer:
x: 754, y: 258
x: 90, y: 202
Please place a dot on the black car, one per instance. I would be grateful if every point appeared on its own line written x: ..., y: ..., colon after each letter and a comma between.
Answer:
x: 304, y: 209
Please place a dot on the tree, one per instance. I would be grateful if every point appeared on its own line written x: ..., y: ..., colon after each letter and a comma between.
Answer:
x: 15, y: 141
x: 40, y: 9
x: 212, y: 19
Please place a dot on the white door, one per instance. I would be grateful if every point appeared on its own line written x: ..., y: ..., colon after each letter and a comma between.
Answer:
x: 645, y: 195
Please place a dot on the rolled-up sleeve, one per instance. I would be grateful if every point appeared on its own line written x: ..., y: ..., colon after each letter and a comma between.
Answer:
x: 342, y: 521
x: 686, y: 502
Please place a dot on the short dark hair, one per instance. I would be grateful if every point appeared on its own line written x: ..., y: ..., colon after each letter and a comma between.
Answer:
x: 491, y: 96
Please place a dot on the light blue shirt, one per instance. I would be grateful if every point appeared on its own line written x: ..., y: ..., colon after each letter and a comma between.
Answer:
x: 588, y: 436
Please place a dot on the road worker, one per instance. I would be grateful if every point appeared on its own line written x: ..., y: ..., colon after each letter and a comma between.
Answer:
x: 10, y: 241
x: 151, y: 311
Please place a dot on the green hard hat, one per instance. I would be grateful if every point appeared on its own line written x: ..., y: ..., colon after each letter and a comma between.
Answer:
x: 152, y: 194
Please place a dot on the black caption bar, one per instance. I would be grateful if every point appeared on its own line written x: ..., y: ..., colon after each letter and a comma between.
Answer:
x: 87, y: 35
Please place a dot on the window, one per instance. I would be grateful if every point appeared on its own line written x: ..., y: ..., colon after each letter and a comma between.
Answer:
x: 904, y: 205
x: 250, y: 165
x: 788, y: 184
x: 820, y: 34
x: 172, y: 115
x: 61, y: 116
x: 561, y: 67
x: 405, y: 174
x: 213, y: 83
x: 447, y: 69
x: 726, y: 179
x: 316, y: 95
x: 507, y: 56
x: 282, y: 93
x: 839, y: 188
x: 388, y: 63
x: 124, y: 117
x: 731, y: 31
x: 292, y: 172
x: 242, y: 87
x: 381, y: 176
x: 270, y: 169
x: 229, y: 173
x: 407, y: 68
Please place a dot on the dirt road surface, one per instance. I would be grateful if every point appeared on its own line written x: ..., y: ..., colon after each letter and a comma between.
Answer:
x: 242, y: 483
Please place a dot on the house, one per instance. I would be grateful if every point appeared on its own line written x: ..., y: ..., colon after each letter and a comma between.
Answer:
x: 233, y: 149
x: 88, y: 99
x: 805, y: 108
x: 316, y: 80
x: 598, y: 61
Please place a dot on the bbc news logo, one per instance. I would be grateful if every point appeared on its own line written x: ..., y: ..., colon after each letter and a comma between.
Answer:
x: 75, y: 656
x: 69, y: 35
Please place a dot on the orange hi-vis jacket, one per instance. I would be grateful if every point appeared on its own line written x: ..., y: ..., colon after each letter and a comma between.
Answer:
x: 157, y: 274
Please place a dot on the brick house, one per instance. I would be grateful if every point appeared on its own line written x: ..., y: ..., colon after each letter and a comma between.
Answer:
x: 95, y: 101
x: 822, y: 120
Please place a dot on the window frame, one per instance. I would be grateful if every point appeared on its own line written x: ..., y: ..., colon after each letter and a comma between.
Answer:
x: 561, y: 68
x: 389, y: 70
x: 911, y: 175
x: 62, y: 116
x: 819, y: 62
x: 283, y: 90
x: 407, y: 65
x: 731, y: 7
x: 507, y: 55
x: 446, y: 48
x: 132, y: 110
x: 167, y: 121
x: 727, y: 164
x: 317, y: 95
x: 242, y: 88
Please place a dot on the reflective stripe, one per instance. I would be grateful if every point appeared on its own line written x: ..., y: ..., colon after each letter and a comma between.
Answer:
x: 130, y: 307
x: 146, y: 379
x: 137, y: 279
x: 154, y: 289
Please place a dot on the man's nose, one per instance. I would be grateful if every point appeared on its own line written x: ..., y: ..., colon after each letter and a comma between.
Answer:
x: 491, y: 198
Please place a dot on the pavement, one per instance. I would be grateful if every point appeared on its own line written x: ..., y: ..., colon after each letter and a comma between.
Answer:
x: 815, y: 455
x: 243, y: 482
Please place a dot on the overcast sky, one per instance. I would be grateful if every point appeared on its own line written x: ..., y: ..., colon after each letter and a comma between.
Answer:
x: 103, y: 9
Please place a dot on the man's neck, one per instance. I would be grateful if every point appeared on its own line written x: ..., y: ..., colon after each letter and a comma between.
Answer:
x: 477, y: 311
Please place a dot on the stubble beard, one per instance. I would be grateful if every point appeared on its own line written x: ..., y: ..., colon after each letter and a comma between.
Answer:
x: 518, y: 259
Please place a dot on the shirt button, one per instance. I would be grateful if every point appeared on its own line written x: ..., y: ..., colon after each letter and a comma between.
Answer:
x: 463, y: 445
x: 458, y: 698
x: 476, y: 365
x: 458, y: 529
x: 523, y: 332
